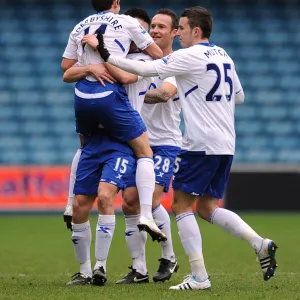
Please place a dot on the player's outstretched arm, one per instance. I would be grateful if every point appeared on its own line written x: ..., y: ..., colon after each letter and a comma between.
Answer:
x: 161, y: 95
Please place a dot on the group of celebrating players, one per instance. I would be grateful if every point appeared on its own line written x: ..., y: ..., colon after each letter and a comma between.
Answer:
x: 130, y: 89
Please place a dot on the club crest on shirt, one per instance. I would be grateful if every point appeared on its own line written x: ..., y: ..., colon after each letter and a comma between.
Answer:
x: 168, y: 59
x: 143, y: 29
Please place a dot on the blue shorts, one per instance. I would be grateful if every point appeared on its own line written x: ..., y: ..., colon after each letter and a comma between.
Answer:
x: 202, y: 174
x: 101, y: 160
x: 106, y: 107
x: 164, y: 159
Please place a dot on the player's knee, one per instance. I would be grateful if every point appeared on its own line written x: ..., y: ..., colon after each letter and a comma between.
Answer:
x: 81, y: 209
x: 175, y: 206
x: 205, y: 209
x: 130, y: 205
x: 105, y: 202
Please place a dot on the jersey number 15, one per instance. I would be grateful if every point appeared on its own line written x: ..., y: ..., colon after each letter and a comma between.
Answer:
x: 211, y: 96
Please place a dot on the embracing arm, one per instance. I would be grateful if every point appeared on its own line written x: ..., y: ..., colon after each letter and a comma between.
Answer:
x: 120, y: 75
x: 67, y: 63
x: 145, y: 69
x: 75, y: 73
x: 161, y: 95
x: 98, y: 71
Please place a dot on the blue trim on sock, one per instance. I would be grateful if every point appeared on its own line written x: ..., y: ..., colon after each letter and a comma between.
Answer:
x: 211, y: 218
x: 154, y: 209
x: 81, y: 230
x: 181, y: 216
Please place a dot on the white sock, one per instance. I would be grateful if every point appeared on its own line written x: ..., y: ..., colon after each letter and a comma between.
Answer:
x: 136, y: 241
x: 233, y: 224
x: 73, y: 176
x: 104, y: 232
x: 81, y: 238
x: 145, y: 183
x: 162, y: 220
x: 192, y: 243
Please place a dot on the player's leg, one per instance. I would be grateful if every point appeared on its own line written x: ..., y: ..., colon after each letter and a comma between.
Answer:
x: 145, y: 176
x: 85, y: 190
x: 189, y: 180
x: 135, y: 239
x: 168, y: 263
x: 191, y: 240
x: 145, y: 183
x: 68, y: 211
x: 116, y: 169
x: 81, y: 238
x: 104, y: 230
x: 164, y: 158
x: 207, y: 208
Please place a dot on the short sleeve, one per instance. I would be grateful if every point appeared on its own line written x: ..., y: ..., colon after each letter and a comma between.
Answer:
x: 171, y: 80
x: 138, y: 34
x: 71, y: 49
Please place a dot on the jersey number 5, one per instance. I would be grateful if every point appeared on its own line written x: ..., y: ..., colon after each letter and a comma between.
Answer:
x: 211, y: 96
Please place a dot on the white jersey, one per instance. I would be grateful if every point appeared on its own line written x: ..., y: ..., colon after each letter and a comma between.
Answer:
x: 136, y: 91
x: 206, y: 83
x: 118, y: 32
x: 163, y: 119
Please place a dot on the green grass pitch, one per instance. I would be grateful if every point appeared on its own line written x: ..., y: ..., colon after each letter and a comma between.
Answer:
x: 37, y: 259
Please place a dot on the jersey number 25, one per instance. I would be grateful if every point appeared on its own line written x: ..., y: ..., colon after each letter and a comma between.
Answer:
x: 211, y: 96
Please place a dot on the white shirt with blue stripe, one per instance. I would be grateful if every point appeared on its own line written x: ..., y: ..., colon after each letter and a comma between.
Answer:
x: 207, y: 84
x: 118, y: 32
x: 163, y: 119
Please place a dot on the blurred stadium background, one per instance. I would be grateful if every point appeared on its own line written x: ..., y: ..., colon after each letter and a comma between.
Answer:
x: 37, y: 119
x: 38, y: 141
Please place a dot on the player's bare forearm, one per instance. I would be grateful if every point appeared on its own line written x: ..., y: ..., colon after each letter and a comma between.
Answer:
x: 156, y: 96
x: 67, y: 63
x: 161, y: 95
x: 74, y: 74
x: 121, y: 75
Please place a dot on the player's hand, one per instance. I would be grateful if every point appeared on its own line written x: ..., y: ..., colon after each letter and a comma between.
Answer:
x: 91, y: 40
x: 101, y: 47
x: 68, y: 216
x: 100, y: 73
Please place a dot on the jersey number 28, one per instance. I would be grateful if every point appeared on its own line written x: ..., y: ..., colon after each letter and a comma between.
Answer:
x: 211, y: 96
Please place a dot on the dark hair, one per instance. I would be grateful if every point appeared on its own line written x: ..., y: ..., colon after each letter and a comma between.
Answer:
x: 101, y: 5
x: 138, y: 13
x: 170, y: 13
x: 199, y: 17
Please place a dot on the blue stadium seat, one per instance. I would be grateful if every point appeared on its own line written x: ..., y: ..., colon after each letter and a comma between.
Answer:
x: 278, y: 128
x: 36, y: 106
x: 19, y: 157
x: 273, y: 112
